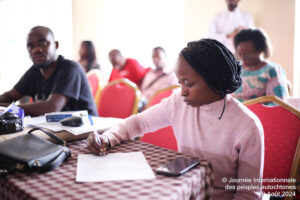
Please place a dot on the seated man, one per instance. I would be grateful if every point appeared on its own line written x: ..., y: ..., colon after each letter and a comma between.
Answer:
x: 54, y: 83
x: 125, y: 68
x: 157, y: 78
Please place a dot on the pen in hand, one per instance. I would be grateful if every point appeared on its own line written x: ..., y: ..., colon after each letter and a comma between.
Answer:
x: 94, y: 130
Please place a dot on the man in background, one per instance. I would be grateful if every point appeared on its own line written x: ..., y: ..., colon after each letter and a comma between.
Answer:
x: 54, y: 83
x: 125, y: 68
x: 157, y: 78
x: 226, y: 24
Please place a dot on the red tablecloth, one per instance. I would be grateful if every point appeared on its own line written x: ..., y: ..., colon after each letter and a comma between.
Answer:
x: 60, y: 183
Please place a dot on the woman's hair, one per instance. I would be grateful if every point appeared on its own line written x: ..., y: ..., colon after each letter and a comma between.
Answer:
x: 90, y: 54
x: 258, y: 37
x: 215, y: 63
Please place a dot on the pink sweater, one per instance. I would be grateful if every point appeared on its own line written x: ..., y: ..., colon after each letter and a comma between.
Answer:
x: 234, y: 145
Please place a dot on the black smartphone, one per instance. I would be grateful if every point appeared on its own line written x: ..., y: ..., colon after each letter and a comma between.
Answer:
x: 178, y: 166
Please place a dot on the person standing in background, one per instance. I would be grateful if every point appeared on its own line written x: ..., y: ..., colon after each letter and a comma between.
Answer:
x: 125, y: 68
x: 226, y: 24
x: 87, y: 55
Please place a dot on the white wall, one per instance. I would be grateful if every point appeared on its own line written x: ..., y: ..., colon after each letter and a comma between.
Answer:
x: 91, y: 21
x: 275, y: 16
x: 133, y: 26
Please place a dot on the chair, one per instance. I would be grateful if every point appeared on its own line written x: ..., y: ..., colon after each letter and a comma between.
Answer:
x: 282, y: 143
x: 163, y: 137
x: 161, y: 94
x: 119, y: 99
x: 96, y: 81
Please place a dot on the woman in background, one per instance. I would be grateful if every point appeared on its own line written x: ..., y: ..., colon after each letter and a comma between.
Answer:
x: 87, y: 55
x: 206, y: 120
x: 260, y: 77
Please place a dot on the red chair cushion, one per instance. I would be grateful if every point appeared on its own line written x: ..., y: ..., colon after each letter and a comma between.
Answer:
x: 158, y: 97
x: 281, y: 132
x: 94, y: 83
x: 117, y: 101
x: 163, y: 137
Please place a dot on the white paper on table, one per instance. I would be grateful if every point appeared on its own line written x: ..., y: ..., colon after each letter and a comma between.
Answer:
x: 53, y: 126
x: 42, y: 123
x: 113, y: 167
x: 100, y: 123
x: 29, y: 121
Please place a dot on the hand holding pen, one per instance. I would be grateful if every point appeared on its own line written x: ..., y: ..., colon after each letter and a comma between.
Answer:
x: 98, y: 144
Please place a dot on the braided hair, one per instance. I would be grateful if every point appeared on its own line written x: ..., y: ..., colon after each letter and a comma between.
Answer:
x: 216, y: 64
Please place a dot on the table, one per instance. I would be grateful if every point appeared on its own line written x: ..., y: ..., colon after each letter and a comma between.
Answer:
x: 106, y: 123
x: 60, y: 183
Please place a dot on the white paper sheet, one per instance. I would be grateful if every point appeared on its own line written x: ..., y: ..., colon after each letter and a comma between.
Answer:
x: 100, y: 123
x: 113, y: 167
x: 29, y: 121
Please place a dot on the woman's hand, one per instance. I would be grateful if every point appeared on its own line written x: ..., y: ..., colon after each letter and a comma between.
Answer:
x: 98, y: 144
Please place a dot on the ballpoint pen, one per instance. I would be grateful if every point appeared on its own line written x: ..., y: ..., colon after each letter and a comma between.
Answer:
x: 94, y: 130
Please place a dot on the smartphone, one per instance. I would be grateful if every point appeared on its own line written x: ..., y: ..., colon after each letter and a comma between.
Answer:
x: 177, y: 167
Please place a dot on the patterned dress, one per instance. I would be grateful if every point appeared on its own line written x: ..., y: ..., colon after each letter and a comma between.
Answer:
x: 269, y: 80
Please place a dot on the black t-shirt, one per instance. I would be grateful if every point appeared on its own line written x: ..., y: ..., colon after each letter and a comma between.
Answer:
x: 68, y: 79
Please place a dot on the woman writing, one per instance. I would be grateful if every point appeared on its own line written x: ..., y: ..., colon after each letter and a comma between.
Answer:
x: 206, y: 120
